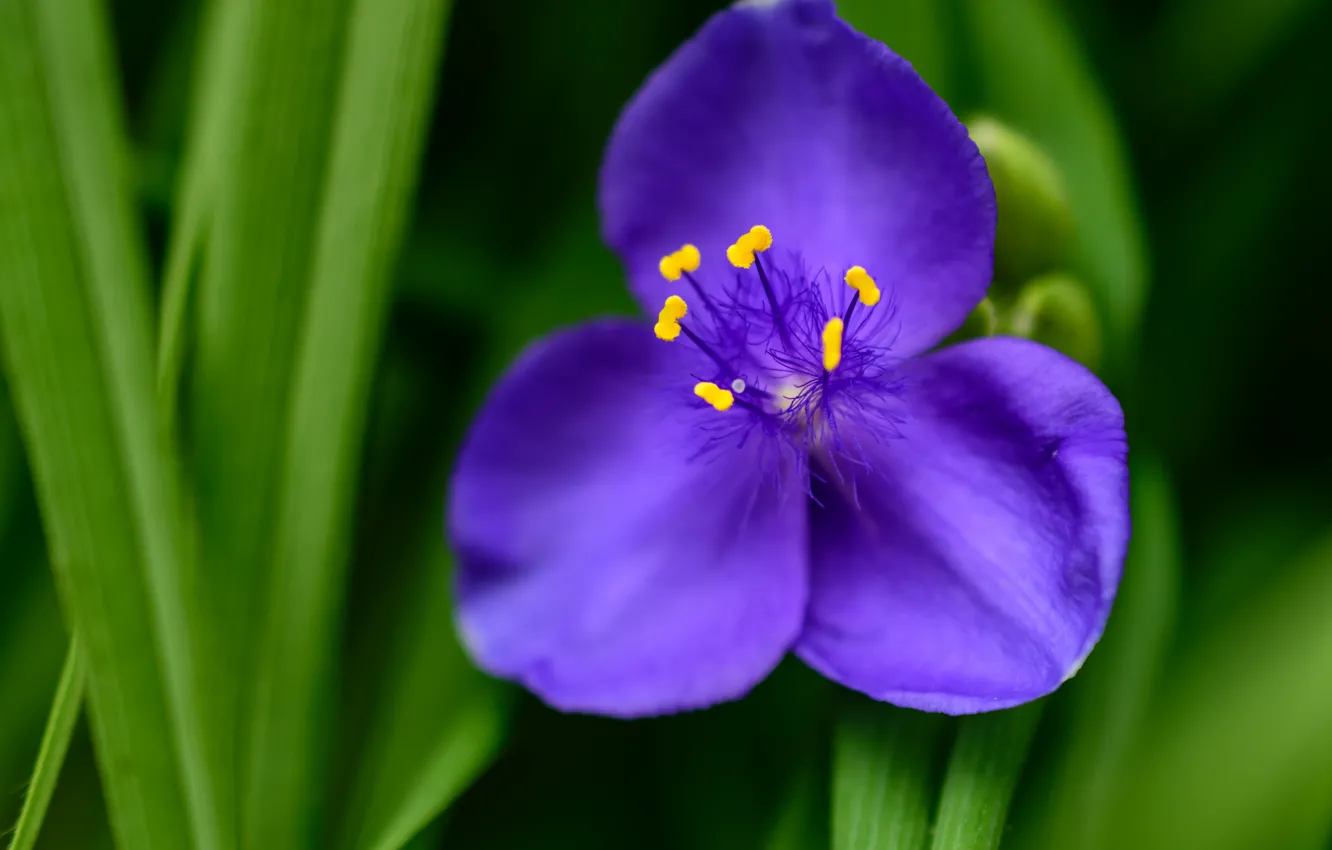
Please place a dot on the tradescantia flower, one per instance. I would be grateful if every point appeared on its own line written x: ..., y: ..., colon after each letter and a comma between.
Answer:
x: 648, y: 515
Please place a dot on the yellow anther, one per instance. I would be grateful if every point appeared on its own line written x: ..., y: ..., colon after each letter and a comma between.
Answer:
x: 667, y: 331
x: 714, y: 395
x: 669, y: 267
x: 757, y: 239
x: 689, y: 258
x: 673, y: 310
x: 832, y: 343
x: 760, y: 238
x: 668, y: 318
x: 859, y: 280
x: 676, y: 263
x: 740, y: 254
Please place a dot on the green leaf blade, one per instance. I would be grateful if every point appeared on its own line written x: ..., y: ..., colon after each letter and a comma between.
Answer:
x: 11, y: 458
x: 1107, y: 703
x: 920, y: 31
x: 216, y: 94
x: 55, y: 744
x: 33, y: 646
x: 1239, y: 751
x: 387, y: 84
x: 983, y: 773
x: 436, y: 722
x: 885, y: 776
x: 260, y: 151
x: 74, y: 322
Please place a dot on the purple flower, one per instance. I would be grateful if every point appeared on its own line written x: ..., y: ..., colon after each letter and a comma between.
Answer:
x: 648, y: 515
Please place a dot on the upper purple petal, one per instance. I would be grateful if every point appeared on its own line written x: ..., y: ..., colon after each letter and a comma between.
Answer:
x: 603, y: 562
x: 979, y: 567
x: 781, y: 114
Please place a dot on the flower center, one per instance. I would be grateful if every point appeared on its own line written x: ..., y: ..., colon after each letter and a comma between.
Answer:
x: 778, y: 331
x: 779, y: 354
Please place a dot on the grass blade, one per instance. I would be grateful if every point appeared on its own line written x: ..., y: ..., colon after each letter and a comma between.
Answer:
x: 920, y: 31
x: 885, y: 776
x: 216, y: 95
x: 32, y: 650
x: 77, y: 818
x: 1107, y: 702
x: 1239, y: 750
x: 748, y: 775
x: 11, y: 459
x: 74, y: 322
x: 55, y: 744
x: 216, y: 91
x: 393, y: 48
x: 258, y: 195
x: 983, y: 773
x: 440, y: 724
x: 802, y: 819
x: 431, y: 721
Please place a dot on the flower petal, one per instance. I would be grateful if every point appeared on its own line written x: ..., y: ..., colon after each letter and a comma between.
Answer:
x: 780, y: 114
x: 980, y: 566
x: 602, y: 562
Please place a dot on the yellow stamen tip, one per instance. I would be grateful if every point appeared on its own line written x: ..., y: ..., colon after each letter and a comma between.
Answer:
x: 688, y: 258
x: 832, y: 343
x: 668, y: 318
x: 740, y: 254
x: 675, y: 264
x: 760, y: 238
x: 859, y: 280
x: 757, y: 239
x: 675, y: 308
x: 670, y: 267
x: 714, y: 395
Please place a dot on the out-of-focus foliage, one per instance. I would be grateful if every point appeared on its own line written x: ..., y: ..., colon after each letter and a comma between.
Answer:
x: 350, y: 216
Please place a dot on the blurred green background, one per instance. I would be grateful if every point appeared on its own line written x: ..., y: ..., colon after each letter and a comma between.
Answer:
x: 259, y: 262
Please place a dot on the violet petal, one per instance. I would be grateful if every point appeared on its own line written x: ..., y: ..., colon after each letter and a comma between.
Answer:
x: 601, y: 563
x: 980, y: 566
x: 781, y: 114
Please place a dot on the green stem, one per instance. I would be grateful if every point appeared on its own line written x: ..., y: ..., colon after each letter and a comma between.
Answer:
x: 982, y: 775
x: 884, y: 776
x: 55, y: 744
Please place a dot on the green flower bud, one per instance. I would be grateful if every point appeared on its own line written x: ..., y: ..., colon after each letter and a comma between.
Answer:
x: 1035, y: 222
x: 1057, y: 310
